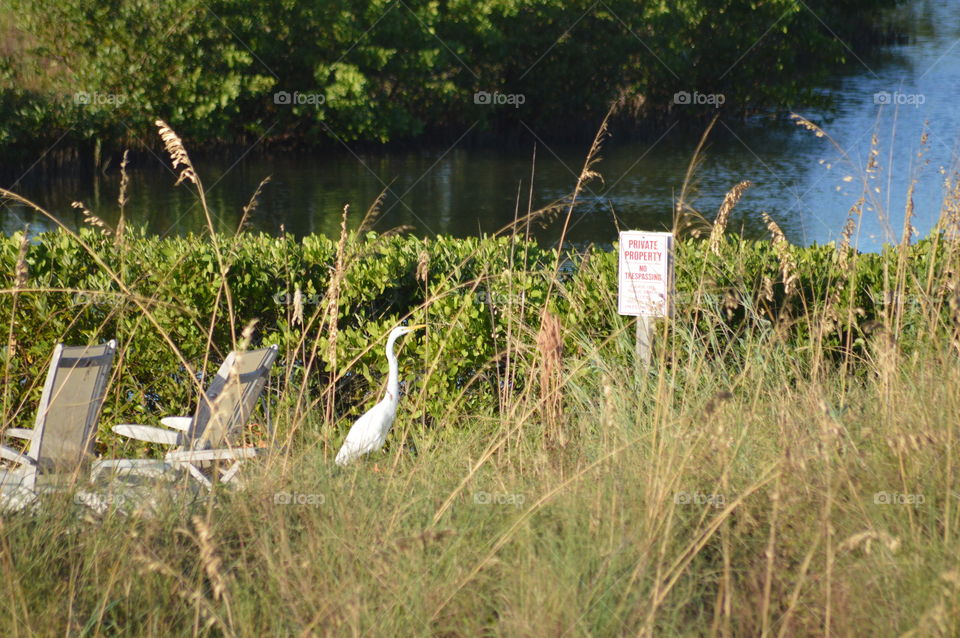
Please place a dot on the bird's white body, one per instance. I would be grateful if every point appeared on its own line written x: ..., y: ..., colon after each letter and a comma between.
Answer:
x: 370, y: 431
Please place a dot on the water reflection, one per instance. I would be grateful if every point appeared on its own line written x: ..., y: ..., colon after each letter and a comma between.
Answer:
x: 798, y: 178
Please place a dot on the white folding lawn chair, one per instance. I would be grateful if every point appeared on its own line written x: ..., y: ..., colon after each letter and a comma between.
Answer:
x: 208, y: 440
x: 61, y: 441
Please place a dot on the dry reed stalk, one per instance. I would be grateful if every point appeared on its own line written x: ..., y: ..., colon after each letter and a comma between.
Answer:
x: 423, y: 268
x: 423, y: 276
x: 904, y: 249
x: 787, y: 263
x: 847, y: 258
x: 373, y: 212
x: 722, y: 444
x: 21, y: 276
x: 193, y: 596
x: 949, y: 222
x: 830, y: 438
x: 252, y: 204
x: 504, y: 384
x: 955, y: 315
x: 794, y: 599
x: 723, y: 215
x: 93, y: 220
x: 297, y: 319
x: 900, y: 277
x: 21, y: 271
x: 831, y: 311
x: 209, y: 559
x: 122, y: 198
x: 542, y: 215
x: 587, y: 174
x: 13, y: 583
x: 666, y: 581
x: 246, y: 336
x: 766, y: 289
x: 908, y: 229
x: 810, y: 126
x: 180, y: 158
x: 884, y: 358
x: 550, y: 350
x: 846, y: 237
x: 682, y: 208
x: 873, y: 163
x: 178, y: 154
x: 333, y: 312
x: 770, y: 558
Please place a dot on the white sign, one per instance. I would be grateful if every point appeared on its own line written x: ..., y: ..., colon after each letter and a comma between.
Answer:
x: 645, y: 273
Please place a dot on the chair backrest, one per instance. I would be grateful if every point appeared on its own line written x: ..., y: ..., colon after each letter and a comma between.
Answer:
x: 70, y: 404
x: 231, y: 397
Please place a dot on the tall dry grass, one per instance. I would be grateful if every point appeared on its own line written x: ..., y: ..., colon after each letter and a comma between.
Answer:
x: 767, y: 490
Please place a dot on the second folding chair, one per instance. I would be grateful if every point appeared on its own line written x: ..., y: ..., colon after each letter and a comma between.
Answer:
x: 208, y: 439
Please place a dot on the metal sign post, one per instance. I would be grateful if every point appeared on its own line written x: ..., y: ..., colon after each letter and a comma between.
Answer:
x: 645, y: 289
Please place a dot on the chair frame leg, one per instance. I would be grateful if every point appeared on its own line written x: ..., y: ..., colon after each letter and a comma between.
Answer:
x: 200, y: 476
x: 229, y: 474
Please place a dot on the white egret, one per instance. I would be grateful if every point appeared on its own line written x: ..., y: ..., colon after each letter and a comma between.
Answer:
x: 370, y: 431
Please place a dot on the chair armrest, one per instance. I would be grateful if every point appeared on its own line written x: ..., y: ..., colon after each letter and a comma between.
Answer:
x: 150, y: 468
x: 20, y: 433
x: 181, y: 423
x: 226, y: 454
x: 9, y: 454
x: 148, y: 433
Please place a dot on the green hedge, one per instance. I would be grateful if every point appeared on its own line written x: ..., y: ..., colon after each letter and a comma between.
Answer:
x: 476, y: 288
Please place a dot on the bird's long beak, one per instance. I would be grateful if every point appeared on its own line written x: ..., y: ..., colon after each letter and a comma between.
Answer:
x: 418, y: 326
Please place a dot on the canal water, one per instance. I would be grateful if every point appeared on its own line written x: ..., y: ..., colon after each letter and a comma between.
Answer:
x: 887, y: 102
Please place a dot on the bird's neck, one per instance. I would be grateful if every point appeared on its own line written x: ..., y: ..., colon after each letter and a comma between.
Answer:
x: 393, y: 380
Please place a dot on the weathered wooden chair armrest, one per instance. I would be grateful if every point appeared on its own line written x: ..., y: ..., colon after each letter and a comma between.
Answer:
x: 19, y: 433
x: 181, y: 423
x: 148, y: 433
x: 226, y: 454
x: 138, y: 467
x: 9, y: 454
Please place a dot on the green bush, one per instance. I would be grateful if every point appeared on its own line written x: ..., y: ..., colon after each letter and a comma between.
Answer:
x: 469, y: 292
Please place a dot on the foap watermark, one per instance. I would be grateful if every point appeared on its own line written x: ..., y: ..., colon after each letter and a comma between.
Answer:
x: 296, y: 498
x: 498, y: 99
x: 699, y: 498
x: 897, y: 98
x: 290, y: 299
x: 95, y: 98
x: 686, y: 98
x: 897, y: 498
x: 492, y: 298
x: 498, y: 498
x: 98, y: 299
x: 286, y: 98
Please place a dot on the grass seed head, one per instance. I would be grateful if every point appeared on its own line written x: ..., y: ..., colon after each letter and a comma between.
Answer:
x: 723, y: 215
x: 178, y: 153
